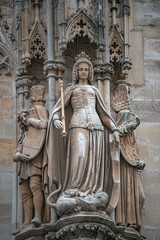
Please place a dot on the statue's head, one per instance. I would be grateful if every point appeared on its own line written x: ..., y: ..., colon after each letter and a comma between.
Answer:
x: 37, y: 94
x: 82, y: 61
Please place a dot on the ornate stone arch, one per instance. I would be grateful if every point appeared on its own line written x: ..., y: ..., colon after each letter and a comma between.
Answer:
x: 38, y: 42
x: 116, y: 45
x: 82, y: 25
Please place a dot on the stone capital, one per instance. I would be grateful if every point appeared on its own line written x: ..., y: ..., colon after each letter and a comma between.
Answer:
x: 23, y: 84
x: 103, y: 71
x: 54, y: 68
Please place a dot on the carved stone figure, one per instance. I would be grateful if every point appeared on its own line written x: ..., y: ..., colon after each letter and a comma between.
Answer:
x: 29, y: 156
x: 80, y: 169
x: 131, y: 199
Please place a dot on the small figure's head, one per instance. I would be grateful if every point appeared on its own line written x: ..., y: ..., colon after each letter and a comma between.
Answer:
x: 37, y: 94
x: 83, y: 69
x: 22, y: 117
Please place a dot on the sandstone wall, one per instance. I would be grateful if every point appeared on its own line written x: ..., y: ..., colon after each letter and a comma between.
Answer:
x: 145, y: 79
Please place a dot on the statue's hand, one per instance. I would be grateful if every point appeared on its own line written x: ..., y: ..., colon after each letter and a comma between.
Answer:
x: 116, y: 136
x: 141, y: 165
x: 58, y: 124
x: 23, y: 157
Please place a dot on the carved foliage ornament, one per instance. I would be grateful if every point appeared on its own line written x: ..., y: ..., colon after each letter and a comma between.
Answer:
x: 126, y: 7
x: 85, y: 231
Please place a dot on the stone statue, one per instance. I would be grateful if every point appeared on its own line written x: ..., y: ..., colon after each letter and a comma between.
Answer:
x: 29, y: 155
x: 79, y: 170
x: 131, y: 199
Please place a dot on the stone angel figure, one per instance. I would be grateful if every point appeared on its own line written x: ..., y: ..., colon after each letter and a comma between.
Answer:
x: 131, y: 198
x: 78, y: 167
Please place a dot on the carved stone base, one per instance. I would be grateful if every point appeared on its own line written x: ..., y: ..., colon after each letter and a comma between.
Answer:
x: 81, y: 226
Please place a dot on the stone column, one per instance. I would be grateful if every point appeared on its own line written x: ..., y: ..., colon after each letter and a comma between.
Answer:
x: 49, y: 67
x: 103, y: 74
x: 106, y: 69
x: 53, y: 70
x: 50, y: 71
x: 126, y: 64
x: 25, y: 36
x: 36, y: 10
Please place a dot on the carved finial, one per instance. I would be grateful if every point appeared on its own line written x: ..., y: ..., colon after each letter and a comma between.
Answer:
x: 81, y: 3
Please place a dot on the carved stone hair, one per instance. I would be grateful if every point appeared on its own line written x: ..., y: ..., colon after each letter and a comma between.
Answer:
x: 82, y: 58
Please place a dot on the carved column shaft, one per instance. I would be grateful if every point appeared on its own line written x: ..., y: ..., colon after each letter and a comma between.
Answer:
x: 36, y: 10
x: 103, y: 74
x: 50, y: 29
x: 114, y: 11
x: 25, y: 36
x: 106, y: 55
x: 126, y: 65
x: 48, y: 64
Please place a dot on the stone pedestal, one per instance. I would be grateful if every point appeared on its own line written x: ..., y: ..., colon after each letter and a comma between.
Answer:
x: 81, y: 226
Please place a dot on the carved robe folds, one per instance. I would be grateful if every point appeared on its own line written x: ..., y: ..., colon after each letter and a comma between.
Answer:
x: 82, y: 171
x: 131, y: 199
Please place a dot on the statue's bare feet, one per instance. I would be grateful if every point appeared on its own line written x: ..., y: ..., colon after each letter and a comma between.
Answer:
x: 36, y: 221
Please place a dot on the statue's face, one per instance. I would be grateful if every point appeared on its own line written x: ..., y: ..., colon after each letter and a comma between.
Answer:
x: 83, y: 71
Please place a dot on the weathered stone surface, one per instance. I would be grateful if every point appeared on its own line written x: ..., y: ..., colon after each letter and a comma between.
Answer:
x: 152, y: 69
x: 136, y: 74
x: 149, y: 131
x: 7, y: 148
x: 148, y: 116
x: 152, y: 48
x: 5, y: 230
x: 156, y: 90
x: 144, y: 92
x: 5, y: 213
x: 7, y: 128
x: 146, y: 105
x: 146, y: 12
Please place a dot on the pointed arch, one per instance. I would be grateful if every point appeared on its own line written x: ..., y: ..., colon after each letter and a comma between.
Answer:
x: 116, y: 45
x: 82, y: 25
x: 38, y: 42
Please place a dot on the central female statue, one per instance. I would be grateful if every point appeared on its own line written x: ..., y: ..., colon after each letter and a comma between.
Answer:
x: 81, y: 168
